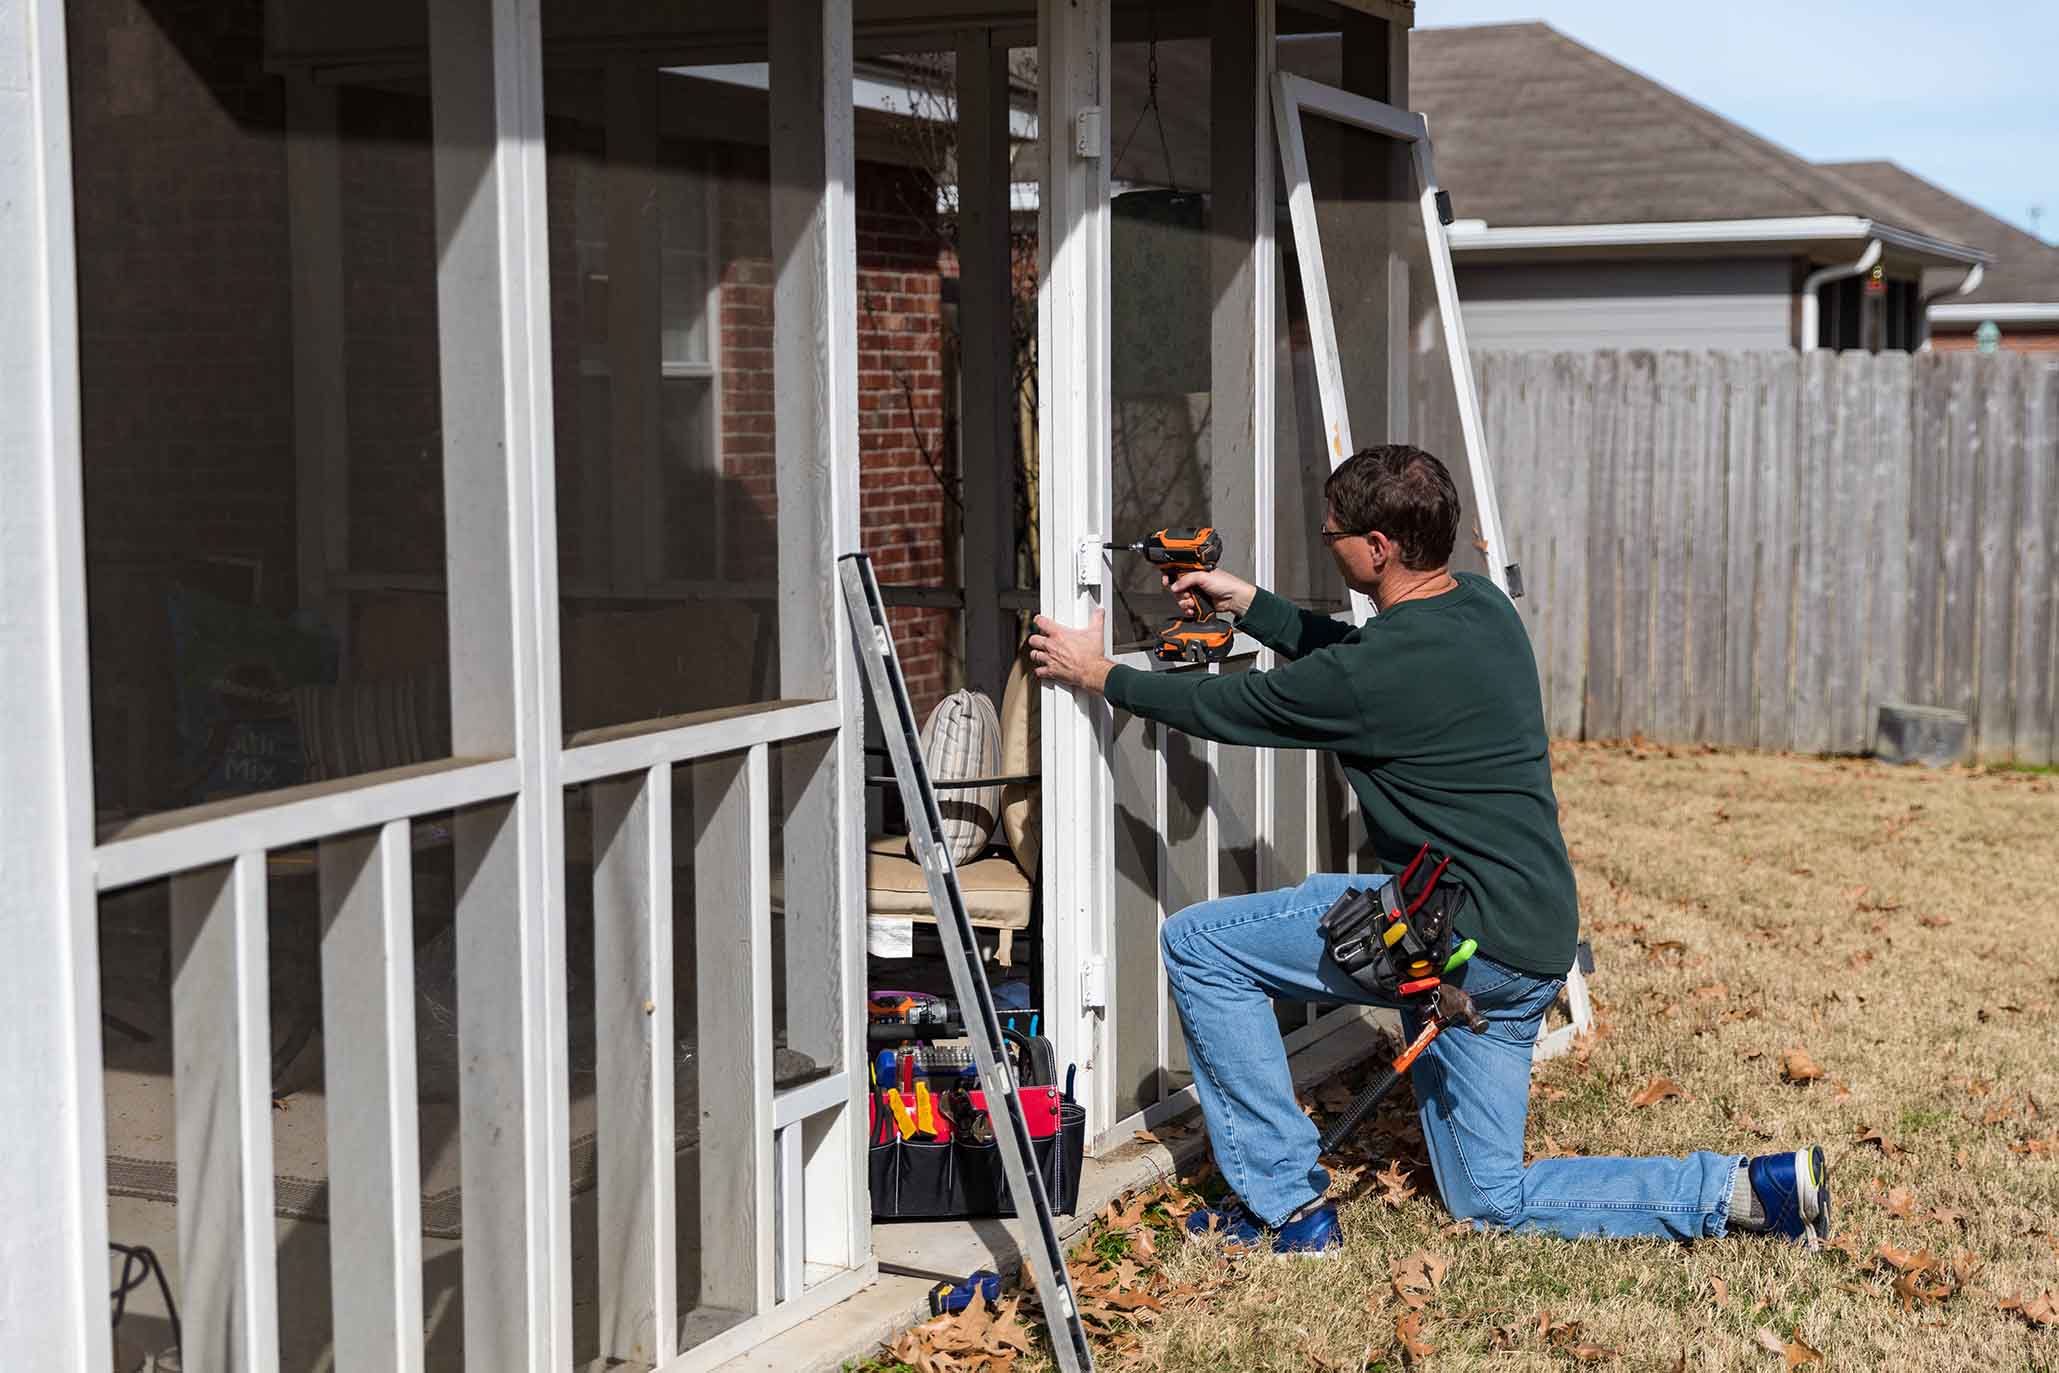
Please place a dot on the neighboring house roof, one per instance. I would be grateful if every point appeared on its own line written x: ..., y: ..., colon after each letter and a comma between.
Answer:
x: 1534, y: 129
x: 2026, y: 268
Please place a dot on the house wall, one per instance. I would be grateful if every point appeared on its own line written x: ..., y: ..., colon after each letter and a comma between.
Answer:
x: 2013, y: 341
x: 1723, y: 305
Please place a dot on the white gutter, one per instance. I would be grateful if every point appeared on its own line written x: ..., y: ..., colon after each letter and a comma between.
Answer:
x: 1476, y: 236
x: 1965, y: 286
x: 1811, y: 310
x: 2021, y: 312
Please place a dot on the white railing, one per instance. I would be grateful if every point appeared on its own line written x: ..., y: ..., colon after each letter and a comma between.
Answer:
x: 783, y: 1211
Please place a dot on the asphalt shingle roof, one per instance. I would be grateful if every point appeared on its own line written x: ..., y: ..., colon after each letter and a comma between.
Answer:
x: 1534, y: 128
x: 2025, y: 269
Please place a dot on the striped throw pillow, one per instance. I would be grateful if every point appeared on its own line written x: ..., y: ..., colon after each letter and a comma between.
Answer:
x: 961, y: 740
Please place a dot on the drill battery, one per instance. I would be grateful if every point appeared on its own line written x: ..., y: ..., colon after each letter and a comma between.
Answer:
x: 1175, y: 552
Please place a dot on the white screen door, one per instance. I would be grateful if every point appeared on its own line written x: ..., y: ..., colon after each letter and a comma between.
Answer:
x: 1376, y: 288
x: 1380, y: 305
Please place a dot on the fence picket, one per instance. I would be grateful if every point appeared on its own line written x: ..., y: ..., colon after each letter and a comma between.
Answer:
x: 2037, y: 607
x: 1744, y: 396
x: 1672, y: 466
x: 1600, y: 711
x: 1959, y: 638
x: 1885, y: 571
x: 2000, y: 417
x: 1708, y: 592
x: 1573, y: 378
x: 1847, y: 537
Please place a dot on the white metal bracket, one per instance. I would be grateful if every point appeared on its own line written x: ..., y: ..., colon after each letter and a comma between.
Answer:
x: 1088, y: 560
x: 1094, y: 984
x: 1086, y: 132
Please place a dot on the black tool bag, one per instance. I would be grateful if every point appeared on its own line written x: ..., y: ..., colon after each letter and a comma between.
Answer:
x: 1424, y: 902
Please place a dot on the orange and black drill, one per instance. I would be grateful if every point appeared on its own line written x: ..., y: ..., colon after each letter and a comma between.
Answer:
x: 1176, y: 552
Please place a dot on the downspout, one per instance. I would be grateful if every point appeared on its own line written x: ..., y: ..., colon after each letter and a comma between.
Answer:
x: 1811, y: 310
x: 1967, y: 285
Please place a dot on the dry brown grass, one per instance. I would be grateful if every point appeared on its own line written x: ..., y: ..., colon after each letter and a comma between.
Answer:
x: 1901, y: 927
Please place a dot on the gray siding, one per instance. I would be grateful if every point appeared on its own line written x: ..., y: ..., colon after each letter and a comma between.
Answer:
x: 1723, y: 305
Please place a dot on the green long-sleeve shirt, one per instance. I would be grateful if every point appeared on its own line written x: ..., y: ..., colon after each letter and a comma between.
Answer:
x: 1433, y: 709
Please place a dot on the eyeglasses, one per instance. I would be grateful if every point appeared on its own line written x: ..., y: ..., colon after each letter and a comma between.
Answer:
x: 1332, y: 535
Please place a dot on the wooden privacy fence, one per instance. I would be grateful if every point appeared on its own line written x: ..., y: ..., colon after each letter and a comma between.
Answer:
x: 1757, y: 549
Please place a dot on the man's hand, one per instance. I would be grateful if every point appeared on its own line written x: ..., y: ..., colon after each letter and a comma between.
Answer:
x: 1219, y: 591
x: 1071, y: 657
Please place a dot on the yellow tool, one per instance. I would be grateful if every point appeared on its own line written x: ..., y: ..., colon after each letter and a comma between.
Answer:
x: 903, y: 1121
x: 1394, y: 933
x: 925, y: 1111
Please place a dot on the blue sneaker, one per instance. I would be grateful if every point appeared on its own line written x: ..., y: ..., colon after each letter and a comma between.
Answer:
x: 1794, y: 1191
x: 1315, y: 1235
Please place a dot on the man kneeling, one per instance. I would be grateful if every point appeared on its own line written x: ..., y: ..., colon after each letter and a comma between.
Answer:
x: 1433, y: 709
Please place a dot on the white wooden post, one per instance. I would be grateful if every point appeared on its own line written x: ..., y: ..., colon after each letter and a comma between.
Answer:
x: 1074, y: 397
x: 368, y: 1048
x: 815, y: 370
x: 221, y: 1081
x: 634, y: 1037
x: 501, y: 552
x: 1241, y: 369
x: 53, y: 1184
x: 986, y: 367
x: 733, y: 978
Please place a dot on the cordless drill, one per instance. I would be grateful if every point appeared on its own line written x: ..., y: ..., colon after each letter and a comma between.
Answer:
x: 1175, y: 552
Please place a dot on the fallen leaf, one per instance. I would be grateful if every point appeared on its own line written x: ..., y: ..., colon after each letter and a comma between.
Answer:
x: 2042, y: 1309
x: 1797, y: 1066
x: 1146, y: 1137
x: 1945, y: 1215
x: 1769, y: 1341
x: 1798, y: 1353
x: 1417, y: 1277
x: 1665, y: 946
x: 1395, y: 1187
x: 1747, y: 1055
x: 1933, y: 922
x: 1657, y: 1090
x: 1868, y: 1134
x: 1408, y: 1330
x: 1905, y: 1260
x: 1722, y: 1291
x: 1848, y: 1243
x: 1715, y: 991
x: 1900, y: 1203
x: 1749, y: 1126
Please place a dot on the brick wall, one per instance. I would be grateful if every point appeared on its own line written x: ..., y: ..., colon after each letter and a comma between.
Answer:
x: 2013, y: 341
x: 906, y: 520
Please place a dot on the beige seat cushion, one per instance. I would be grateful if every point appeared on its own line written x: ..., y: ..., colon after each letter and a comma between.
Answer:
x: 1022, y: 751
x: 997, y: 894
x: 961, y: 740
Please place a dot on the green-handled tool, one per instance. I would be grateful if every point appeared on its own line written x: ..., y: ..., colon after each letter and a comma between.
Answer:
x: 1460, y: 955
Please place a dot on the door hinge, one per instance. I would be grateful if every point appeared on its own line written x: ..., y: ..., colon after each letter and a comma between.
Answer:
x: 1086, y: 132
x: 1090, y: 557
x: 1094, y: 985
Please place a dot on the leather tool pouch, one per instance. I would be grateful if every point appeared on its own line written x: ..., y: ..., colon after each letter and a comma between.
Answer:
x: 1424, y: 901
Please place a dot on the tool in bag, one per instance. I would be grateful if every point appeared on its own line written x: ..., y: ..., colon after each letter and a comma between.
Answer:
x: 1205, y: 638
x: 975, y: 999
x: 1397, y: 942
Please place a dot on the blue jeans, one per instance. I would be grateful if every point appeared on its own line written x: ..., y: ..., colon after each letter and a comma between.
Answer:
x: 1228, y: 959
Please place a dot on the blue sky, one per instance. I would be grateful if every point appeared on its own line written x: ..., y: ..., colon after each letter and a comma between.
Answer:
x: 1964, y: 95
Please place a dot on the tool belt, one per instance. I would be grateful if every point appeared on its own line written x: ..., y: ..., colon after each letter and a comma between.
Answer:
x: 1396, y: 939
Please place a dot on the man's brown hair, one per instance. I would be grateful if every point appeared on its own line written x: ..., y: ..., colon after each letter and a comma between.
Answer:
x: 1402, y: 492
